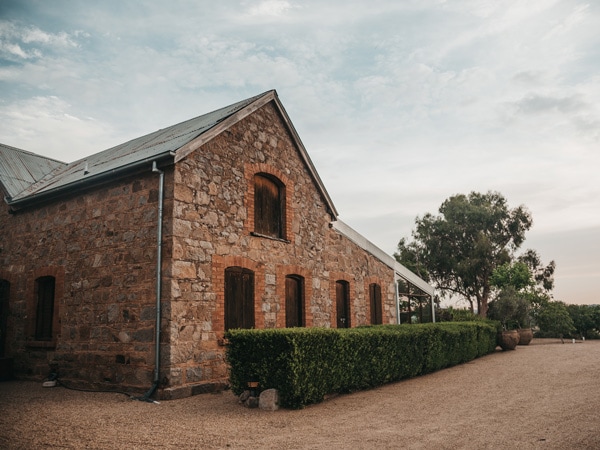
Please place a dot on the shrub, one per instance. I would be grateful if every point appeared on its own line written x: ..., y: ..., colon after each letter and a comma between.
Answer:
x: 306, y: 364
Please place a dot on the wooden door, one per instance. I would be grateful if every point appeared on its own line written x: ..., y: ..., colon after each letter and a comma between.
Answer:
x: 294, y: 300
x: 342, y: 301
x: 239, y: 298
x: 376, y: 309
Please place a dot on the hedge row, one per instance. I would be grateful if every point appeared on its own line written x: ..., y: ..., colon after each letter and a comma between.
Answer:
x: 305, y: 364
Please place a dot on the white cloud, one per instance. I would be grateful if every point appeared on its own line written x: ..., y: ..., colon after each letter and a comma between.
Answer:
x: 48, y: 126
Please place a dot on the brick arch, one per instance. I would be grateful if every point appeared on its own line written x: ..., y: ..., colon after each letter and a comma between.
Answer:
x: 219, y: 264
x: 282, y: 272
x: 250, y: 170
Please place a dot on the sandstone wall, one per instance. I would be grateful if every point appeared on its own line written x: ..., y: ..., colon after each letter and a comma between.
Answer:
x: 212, y: 230
x: 100, y: 246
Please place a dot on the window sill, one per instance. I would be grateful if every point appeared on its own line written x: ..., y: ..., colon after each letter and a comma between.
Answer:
x: 41, y: 344
x: 269, y: 237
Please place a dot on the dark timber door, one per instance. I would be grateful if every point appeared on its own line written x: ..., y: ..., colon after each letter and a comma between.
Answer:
x: 239, y: 298
x: 293, y: 302
x: 4, y: 292
x: 375, y: 296
x: 342, y: 301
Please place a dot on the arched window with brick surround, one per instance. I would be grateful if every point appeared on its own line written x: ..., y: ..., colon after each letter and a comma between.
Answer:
x: 269, y: 206
x: 44, y: 318
x: 239, y: 298
x: 294, y: 301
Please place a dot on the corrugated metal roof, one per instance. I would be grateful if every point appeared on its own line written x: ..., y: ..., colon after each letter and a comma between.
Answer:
x: 20, y: 169
x: 139, y: 149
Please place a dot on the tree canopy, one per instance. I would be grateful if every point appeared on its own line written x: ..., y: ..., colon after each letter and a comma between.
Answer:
x: 460, y: 248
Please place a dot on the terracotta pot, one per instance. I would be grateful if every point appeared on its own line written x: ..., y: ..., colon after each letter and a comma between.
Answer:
x: 508, y: 340
x: 525, y: 336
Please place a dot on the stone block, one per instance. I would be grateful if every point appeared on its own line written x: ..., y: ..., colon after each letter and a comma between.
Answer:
x: 269, y: 400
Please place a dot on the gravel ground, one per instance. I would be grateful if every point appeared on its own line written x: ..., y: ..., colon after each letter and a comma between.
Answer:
x: 545, y: 395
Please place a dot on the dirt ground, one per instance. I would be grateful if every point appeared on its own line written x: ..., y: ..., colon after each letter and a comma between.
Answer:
x: 545, y: 395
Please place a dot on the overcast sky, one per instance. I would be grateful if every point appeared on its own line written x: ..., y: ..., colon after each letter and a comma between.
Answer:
x: 400, y: 103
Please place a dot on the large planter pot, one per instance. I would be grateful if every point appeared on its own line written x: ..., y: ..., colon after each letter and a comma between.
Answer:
x: 508, y: 340
x: 525, y: 336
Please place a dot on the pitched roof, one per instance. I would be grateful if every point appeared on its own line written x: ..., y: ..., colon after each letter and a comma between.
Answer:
x: 20, y: 169
x: 174, y: 142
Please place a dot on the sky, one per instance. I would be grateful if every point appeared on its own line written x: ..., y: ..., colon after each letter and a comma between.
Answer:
x: 400, y: 104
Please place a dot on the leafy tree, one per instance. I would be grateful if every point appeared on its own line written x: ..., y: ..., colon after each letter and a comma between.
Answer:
x: 585, y: 319
x: 516, y: 275
x: 459, y: 249
x: 553, y: 317
x: 543, y: 277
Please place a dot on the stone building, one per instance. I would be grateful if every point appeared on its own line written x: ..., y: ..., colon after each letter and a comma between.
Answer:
x: 214, y: 223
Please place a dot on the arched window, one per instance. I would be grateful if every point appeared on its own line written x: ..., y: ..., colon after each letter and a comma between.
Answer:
x: 239, y: 298
x: 44, y: 317
x: 4, y: 295
x: 342, y: 302
x: 375, y: 300
x: 294, y: 301
x: 269, y: 206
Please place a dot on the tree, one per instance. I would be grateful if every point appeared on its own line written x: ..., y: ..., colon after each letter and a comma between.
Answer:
x: 460, y: 248
x: 585, y: 319
x: 553, y: 317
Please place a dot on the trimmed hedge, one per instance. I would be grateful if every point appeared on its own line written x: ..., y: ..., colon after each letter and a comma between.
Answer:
x: 305, y: 364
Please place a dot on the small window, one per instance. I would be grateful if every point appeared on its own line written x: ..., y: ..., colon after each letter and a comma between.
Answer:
x: 375, y: 300
x: 239, y: 298
x: 269, y: 206
x: 294, y: 301
x: 342, y: 302
x: 45, y: 308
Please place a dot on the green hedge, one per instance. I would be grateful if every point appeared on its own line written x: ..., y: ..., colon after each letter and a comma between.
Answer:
x: 305, y: 364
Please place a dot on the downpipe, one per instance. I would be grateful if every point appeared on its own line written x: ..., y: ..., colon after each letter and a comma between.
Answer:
x: 159, y: 233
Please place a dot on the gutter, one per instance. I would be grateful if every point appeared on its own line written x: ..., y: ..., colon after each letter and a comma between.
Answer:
x: 99, y: 178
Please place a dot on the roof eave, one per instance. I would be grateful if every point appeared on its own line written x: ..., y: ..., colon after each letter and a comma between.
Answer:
x: 20, y: 203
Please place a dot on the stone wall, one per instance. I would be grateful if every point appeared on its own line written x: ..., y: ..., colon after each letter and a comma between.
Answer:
x: 213, y: 224
x: 100, y: 246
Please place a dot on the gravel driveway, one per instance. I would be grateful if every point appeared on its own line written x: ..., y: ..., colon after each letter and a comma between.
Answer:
x: 545, y: 395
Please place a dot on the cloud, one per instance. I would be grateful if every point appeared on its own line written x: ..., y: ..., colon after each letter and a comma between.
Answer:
x: 541, y: 104
x: 27, y: 41
x: 65, y: 136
